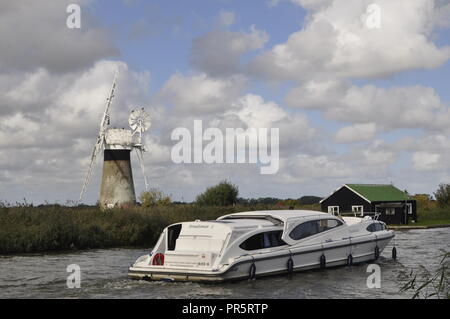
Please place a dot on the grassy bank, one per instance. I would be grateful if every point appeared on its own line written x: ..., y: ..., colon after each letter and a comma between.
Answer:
x: 55, y: 228
x: 427, y: 216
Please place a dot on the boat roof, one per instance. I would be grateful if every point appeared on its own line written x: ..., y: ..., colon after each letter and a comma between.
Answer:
x: 245, y: 221
x: 271, y: 215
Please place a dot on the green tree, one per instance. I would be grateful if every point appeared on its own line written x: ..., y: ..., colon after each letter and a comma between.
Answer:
x: 154, y: 197
x: 443, y: 195
x: 424, y: 201
x: 223, y: 194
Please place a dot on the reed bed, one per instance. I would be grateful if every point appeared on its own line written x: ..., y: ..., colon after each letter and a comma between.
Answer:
x: 28, y: 229
x: 57, y: 228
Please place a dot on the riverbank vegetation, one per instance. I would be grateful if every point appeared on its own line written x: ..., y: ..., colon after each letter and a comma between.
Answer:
x: 28, y: 229
x: 425, y: 284
x: 431, y: 211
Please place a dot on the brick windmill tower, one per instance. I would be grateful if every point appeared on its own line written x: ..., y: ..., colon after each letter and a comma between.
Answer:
x: 117, y: 188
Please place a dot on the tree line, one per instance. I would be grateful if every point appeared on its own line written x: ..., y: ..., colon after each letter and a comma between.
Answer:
x: 227, y: 194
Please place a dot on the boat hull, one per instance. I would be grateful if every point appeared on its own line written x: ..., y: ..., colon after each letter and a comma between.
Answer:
x: 336, y: 253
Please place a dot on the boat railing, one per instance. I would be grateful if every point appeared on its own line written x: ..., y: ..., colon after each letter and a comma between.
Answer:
x: 272, y: 219
x: 374, y: 215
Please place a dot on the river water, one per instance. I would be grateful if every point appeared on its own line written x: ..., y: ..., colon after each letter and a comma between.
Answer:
x: 104, y: 275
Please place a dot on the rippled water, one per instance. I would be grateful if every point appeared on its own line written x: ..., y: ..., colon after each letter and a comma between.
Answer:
x: 104, y: 275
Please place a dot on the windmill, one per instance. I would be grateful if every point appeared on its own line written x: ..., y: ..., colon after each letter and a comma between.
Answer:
x: 117, y: 188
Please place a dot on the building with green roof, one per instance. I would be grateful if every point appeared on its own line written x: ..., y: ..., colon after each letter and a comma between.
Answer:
x: 393, y: 205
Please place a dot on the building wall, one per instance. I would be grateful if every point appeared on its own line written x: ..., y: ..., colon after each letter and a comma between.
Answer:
x: 399, y: 217
x: 345, y: 199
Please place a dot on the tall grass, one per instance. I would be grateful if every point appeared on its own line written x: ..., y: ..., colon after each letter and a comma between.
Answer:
x: 433, y: 213
x: 26, y: 229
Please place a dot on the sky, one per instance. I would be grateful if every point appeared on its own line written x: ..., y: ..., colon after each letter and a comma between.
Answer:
x: 357, y: 88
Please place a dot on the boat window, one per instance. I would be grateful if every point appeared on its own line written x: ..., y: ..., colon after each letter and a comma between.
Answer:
x: 263, y: 240
x: 375, y: 227
x: 313, y: 227
x: 305, y: 230
x: 172, y: 236
x: 326, y: 224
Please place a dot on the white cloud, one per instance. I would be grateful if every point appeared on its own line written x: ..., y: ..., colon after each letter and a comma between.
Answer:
x: 337, y: 42
x: 255, y: 112
x: 425, y: 161
x: 219, y: 51
x: 303, y: 167
x: 312, y: 4
x: 34, y: 35
x: 378, y: 154
x: 201, y: 94
x: 316, y: 94
x: 442, y: 13
x: 252, y: 111
x: 429, y: 153
x: 413, y: 107
x: 356, y: 133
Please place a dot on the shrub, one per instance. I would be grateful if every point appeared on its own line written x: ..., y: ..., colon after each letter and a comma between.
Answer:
x: 442, y: 195
x: 154, y: 197
x: 223, y: 194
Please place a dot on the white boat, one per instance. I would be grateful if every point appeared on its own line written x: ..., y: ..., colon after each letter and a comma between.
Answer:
x: 260, y: 243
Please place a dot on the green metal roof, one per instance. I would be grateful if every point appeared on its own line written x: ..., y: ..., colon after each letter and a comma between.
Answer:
x: 375, y: 193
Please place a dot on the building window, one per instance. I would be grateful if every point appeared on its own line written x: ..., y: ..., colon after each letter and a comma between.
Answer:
x: 358, y: 210
x: 333, y: 210
x: 390, y: 211
x: 409, y: 208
